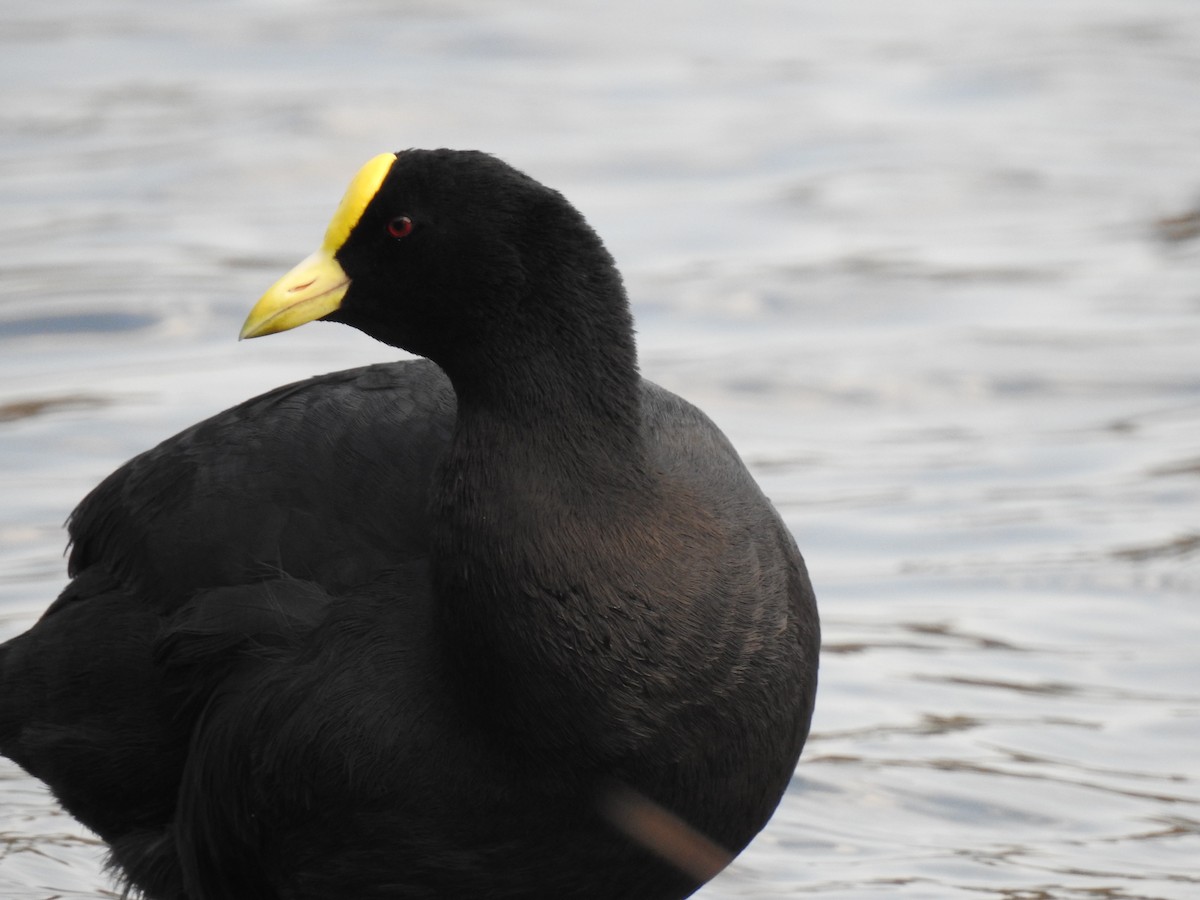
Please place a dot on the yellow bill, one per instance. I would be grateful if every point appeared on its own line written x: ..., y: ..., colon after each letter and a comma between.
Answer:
x: 316, y: 286
x: 312, y: 289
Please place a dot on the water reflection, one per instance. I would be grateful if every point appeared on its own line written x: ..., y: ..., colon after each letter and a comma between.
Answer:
x: 24, y: 409
x: 79, y: 323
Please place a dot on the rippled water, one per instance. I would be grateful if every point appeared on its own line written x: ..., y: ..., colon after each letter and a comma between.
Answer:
x: 934, y: 266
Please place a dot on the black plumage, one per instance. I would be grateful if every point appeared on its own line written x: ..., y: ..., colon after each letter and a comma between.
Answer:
x: 506, y: 622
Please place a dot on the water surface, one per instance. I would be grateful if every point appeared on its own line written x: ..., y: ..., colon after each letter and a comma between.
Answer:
x: 934, y: 267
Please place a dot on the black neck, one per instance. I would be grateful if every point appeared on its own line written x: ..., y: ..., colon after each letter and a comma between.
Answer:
x: 554, y: 365
x: 542, y: 498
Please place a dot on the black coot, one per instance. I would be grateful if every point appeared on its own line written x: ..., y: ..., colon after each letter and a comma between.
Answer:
x: 509, y: 622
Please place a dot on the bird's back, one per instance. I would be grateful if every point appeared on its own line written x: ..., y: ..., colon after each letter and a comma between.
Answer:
x: 244, y: 691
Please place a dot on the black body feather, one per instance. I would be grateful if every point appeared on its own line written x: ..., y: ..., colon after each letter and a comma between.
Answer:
x: 412, y: 630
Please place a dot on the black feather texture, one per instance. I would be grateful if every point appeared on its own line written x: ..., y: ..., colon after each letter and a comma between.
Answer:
x: 506, y: 622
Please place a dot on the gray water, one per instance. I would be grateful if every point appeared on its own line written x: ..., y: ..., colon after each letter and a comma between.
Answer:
x: 933, y: 266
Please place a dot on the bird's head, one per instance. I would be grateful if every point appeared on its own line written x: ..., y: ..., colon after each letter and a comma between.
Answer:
x: 449, y: 254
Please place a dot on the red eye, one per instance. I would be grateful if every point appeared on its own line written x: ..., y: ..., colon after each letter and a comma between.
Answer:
x: 400, y: 227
